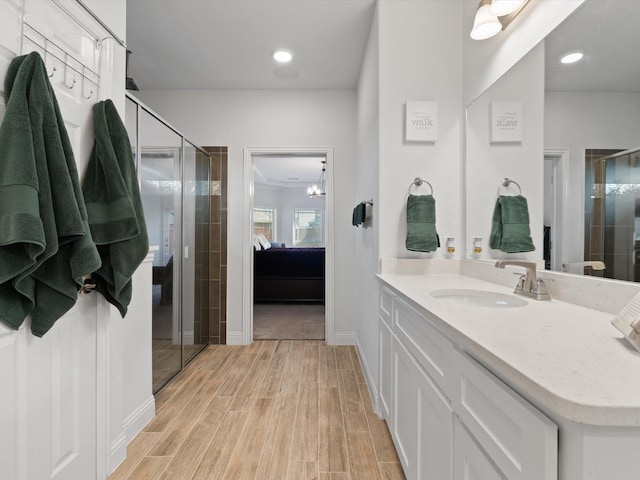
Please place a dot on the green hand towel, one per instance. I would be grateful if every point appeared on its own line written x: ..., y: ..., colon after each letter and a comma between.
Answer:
x: 37, y: 164
x: 421, y: 224
x: 510, y: 225
x: 115, y: 210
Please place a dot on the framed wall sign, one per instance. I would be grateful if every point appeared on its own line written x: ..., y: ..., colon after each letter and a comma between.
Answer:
x: 421, y: 121
x: 506, y: 121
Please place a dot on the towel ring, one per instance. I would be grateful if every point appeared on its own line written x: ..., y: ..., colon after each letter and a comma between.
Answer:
x: 417, y: 183
x: 506, y: 182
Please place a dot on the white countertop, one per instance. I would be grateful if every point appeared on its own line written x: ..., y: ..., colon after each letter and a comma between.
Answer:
x: 562, y: 357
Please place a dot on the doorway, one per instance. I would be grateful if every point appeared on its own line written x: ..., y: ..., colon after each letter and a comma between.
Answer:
x: 555, y: 178
x: 287, y: 267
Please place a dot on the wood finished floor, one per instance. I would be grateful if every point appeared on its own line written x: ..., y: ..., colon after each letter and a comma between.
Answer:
x: 282, y: 410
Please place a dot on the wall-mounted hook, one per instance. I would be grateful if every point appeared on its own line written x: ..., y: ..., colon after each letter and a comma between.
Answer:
x: 53, y: 72
x: 73, y: 84
x: 88, y: 96
x: 87, y: 286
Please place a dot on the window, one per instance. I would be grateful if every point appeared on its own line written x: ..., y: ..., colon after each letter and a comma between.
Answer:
x: 308, y: 228
x: 264, y: 222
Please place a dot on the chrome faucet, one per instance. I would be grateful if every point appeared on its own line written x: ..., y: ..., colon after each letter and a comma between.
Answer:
x: 528, y: 284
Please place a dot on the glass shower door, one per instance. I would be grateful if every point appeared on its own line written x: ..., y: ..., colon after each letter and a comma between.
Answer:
x: 160, y: 174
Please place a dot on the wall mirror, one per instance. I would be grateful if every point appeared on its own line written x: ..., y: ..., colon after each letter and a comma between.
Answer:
x: 575, y: 160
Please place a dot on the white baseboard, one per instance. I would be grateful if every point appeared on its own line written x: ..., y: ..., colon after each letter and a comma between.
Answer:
x: 131, y: 426
x: 371, y: 382
x: 188, y: 337
x: 141, y: 416
x: 235, y: 338
x: 348, y: 338
x: 118, y: 452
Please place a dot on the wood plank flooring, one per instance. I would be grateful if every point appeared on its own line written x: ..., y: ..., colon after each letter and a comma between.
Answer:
x: 282, y: 410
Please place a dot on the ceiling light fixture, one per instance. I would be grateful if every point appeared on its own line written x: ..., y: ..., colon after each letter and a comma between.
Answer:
x: 500, y: 8
x: 485, y: 25
x: 318, y: 190
x: 572, y: 57
x: 494, y: 16
x: 282, y: 56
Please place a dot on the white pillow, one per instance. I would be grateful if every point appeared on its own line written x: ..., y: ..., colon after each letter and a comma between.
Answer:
x: 264, y: 242
x: 256, y: 243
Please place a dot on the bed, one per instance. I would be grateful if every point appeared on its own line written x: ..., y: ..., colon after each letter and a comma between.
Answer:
x: 288, y: 275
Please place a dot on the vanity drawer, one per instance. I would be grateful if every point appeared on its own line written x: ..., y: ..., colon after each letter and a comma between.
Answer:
x: 520, y: 440
x: 386, y: 301
x: 430, y: 347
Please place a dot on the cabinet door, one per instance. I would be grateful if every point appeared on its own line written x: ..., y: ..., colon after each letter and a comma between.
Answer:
x: 405, y: 408
x: 520, y: 440
x: 470, y: 462
x: 435, y: 430
x: 386, y: 372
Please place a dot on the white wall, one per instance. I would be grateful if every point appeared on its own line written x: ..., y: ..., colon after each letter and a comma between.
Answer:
x: 409, y: 71
x: 269, y: 118
x: 578, y: 121
x: 488, y: 163
x: 414, y: 53
x: 367, y: 188
x: 285, y: 200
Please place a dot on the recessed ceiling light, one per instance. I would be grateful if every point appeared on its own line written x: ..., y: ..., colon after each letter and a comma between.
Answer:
x: 572, y: 57
x: 282, y: 56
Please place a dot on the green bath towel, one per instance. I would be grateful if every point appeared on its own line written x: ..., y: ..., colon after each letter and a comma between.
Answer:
x: 510, y: 229
x: 421, y: 224
x: 44, y: 222
x: 116, y: 217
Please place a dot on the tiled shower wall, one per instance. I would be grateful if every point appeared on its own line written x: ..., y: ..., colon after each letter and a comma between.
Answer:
x: 599, y: 219
x: 218, y: 247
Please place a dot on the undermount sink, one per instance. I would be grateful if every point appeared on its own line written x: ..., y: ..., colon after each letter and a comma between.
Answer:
x: 479, y: 298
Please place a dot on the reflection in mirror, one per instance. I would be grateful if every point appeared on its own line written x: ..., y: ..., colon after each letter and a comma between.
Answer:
x: 581, y: 205
x: 592, y: 111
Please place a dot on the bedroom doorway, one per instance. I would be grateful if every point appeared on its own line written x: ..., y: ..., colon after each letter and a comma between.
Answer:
x: 288, y: 272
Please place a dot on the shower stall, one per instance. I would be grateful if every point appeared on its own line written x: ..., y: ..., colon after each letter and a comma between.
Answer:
x: 612, y: 214
x: 175, y: 183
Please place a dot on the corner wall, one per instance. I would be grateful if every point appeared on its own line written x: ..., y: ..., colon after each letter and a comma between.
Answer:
x: 367, y: 188
x: 414, y: 53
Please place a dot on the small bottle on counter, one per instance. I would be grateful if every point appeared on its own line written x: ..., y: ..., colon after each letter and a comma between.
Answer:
x: 476, y: 247
x: 450, y: 247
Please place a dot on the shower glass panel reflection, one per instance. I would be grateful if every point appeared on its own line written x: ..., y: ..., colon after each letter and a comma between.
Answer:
x: 161, y: 190
x: 613, y: 219
x: 195, y: 262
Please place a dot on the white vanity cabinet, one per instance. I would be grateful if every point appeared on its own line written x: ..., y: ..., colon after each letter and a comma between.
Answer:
x: 519, y: 439
x: 448, y: 416
x: 385, y: 355
x: 418, y: 413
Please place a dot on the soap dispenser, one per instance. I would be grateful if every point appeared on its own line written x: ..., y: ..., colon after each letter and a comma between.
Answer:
x: 476, y: 247
x: 450, y: 247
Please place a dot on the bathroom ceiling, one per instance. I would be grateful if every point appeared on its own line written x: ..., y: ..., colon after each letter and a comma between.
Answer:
x: 228, y: 44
